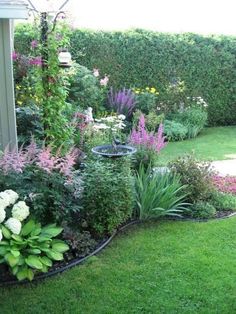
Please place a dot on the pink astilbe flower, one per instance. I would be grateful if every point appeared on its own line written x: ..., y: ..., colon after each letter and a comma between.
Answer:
x: 13, y: 160
x: 31, y: 152
x: 141, y: 137
x: 66, y: 163
x: 46, y: 160
x: 14, y: 56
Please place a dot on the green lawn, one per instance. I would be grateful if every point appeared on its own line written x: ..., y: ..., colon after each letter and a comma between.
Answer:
x: 165, y: 267
x: 212, y: 144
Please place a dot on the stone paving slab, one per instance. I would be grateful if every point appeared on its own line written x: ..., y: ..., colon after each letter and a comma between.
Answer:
x: 225, y: 167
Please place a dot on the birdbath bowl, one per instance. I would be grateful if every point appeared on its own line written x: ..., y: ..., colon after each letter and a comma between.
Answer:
x: 114, y: 151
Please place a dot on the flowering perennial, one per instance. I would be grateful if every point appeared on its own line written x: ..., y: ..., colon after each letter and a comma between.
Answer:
x: 225, y: 184
x: 123, y: 101
x: 141, y: 137
x: 42, y: 157
x: 20, y: 211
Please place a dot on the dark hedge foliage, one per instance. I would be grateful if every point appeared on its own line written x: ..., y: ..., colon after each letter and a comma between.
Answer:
x: 207, y: 64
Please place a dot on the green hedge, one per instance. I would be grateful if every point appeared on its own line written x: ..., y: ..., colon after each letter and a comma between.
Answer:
x: 207, y: 64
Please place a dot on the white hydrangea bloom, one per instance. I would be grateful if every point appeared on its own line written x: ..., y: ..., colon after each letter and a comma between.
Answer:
x: 13, y: 196
x: 3, y: 204
x: 1, y: 235
x: 14, y: 225
x: 5, y: 197
x: 20, y: 211
x: 2, y: 215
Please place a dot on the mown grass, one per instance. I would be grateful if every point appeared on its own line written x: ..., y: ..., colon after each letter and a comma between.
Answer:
x: 163, y: 267
x: 216, y: 143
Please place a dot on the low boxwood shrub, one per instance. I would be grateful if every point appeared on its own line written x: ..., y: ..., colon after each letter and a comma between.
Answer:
x: 107, y: 198
x: 202, y: 210
x: 223, y: 201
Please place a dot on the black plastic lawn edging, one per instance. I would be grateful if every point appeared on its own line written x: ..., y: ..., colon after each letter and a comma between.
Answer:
x: 72, y: 263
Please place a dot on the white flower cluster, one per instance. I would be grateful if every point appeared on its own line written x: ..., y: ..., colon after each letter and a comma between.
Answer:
x: 20, y: 211
x: 113, y: 123
x: 199, y: 101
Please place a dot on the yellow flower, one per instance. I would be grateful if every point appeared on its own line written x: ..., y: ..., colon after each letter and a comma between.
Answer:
x: 147, y: 88
x: 17, y: 87
x: 137, y: 92
x: 19, y: 102
x: 153, y: 90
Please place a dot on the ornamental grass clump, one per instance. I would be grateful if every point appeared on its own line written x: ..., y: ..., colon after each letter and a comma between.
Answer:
x: 159, y: 194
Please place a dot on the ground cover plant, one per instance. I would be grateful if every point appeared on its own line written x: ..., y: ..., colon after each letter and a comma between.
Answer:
x: 137, y: 272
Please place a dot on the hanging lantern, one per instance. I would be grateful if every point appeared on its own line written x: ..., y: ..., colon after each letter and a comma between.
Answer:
x: 64, y: 58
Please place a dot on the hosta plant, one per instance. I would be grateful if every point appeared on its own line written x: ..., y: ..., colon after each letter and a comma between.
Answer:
x: 33, y: 250
x: 26, y: 248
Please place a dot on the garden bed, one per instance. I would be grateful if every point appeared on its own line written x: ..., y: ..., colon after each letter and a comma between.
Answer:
x: 7, y: 279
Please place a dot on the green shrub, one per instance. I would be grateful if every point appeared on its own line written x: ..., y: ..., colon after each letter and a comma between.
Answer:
x: 107, y: 194
x: 28, y: 123
x: 203, y: 210
x: 85, y: 90
x: 193, y: 118
x: 49, y: 196
x: 196, y: 175
x: 175, y: 131
x: 158, y: 194
x: 224, y: 201
x: 146, y: 99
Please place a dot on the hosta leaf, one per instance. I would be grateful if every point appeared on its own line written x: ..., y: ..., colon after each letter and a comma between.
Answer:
x: 51, y: 230
x: 60, y: 247
x: 46, y: 261
x: 11, y: 259
x: 34, y: 262
x: 28, y: 227
x: 15, y: 253
x: 6, y: 233
x: 30, y: 274
x: 3, y: 250
x: 37, y: 230
x: 54, y: 255
x: 17, y: 238
x: 34, y: 251
x: 22, y: 274
x: 15, y: 270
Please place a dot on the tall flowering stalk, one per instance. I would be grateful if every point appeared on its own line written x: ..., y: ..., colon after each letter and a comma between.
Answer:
x: 123, y: 101
x: 141, y: 137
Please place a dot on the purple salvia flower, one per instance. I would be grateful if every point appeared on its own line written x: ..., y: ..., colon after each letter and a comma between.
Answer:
x: 34, y: 44
x: 123, y: 101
